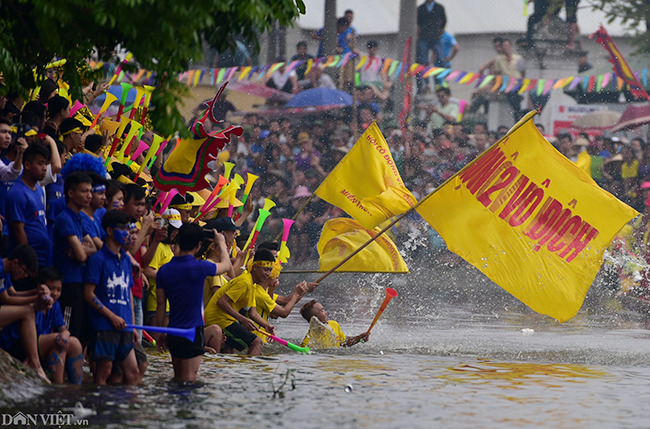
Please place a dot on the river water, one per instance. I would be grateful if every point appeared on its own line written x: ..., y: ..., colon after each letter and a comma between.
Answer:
x: 453, y: 350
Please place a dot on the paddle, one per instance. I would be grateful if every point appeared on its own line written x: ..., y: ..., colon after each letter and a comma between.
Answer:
x: 292, y: 346
x: 390, y: 294
x: 189, y: 333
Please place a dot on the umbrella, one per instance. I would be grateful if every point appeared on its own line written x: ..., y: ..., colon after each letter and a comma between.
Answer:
x: 632, y: 117
x: 320, y: 97
x: 599, y: 120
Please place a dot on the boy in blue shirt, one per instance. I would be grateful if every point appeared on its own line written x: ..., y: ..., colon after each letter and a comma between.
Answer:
x: 90, y: 215
x: 16, y: 306
x: 25, y: 204
x: 181, y: 281
x: 58, y: 350
x: 107, y: 290
x: 71, y: 250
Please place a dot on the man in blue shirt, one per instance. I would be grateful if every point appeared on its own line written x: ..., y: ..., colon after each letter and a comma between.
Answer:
x: 89, y: 215
x: 107, y: 290
x: 70, y: 252
x: 181, y: 281
x: 25, y: 205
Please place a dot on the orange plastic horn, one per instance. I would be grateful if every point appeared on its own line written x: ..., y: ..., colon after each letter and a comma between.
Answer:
x: 390, y: 294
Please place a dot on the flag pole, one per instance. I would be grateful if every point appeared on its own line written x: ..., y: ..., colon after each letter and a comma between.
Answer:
x: 521, y: 122
x: 297, y: 213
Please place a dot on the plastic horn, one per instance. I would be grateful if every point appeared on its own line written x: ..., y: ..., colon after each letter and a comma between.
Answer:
x: 231, y: 203
x: 142, y: 146
x: 227, y: 190
x: 268, y: 204
x: 157, y: 141
x: 138, y: 99
x: 148, y: 89
x: 160, y: 199
x: 390, y: 294
x: 118, y: 70
x: 110, y: 99
x: 228, y: 166
x: 148, y: 337
x: 126, y: 87
x: 217, y: 188
x: 116, y: 140
x: 189, y: 333
x: 247, y: 190
x: 284, y: 253
x: 286, y: 343
x: 135, y: 127
x: 238, y: 179
x: 168, y: 200
x: 160, y: 150
x: 261, y: 218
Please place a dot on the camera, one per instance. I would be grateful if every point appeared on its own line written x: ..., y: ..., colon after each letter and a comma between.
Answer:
x: 208, y: 234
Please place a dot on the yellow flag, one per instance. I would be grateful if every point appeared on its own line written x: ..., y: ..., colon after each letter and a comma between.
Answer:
x: 341, y: 237
x: 366, y: 183
x: 529, y: 219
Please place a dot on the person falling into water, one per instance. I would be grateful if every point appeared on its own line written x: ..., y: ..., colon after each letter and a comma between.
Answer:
x: 325, y: 333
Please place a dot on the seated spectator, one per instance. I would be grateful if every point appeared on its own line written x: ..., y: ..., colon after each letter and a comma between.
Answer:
x: 317, y: 79
x: 301, y: 55
x: 280, y: 79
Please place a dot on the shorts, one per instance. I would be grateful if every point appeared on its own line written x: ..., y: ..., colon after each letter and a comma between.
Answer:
x: 238, y: 337
x: 111, y: 345
x: 75, y: 312
x: 140, y: 357
x: 182, y: 348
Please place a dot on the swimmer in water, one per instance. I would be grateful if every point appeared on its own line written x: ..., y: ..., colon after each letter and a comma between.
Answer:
x: 319, y: 337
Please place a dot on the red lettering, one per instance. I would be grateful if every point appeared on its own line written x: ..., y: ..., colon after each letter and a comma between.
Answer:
x: 566, y: 213
x: 480, y: 179
x: 544, y: 219
x: 578, y: 244
x: 503, y: 167
x: 511, y: 205
x: 503, y: 181
x: 571, y: 227
x: 477, y: 166
x: 533, y: 198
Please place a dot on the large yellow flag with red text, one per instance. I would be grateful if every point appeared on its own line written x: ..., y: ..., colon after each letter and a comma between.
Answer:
x: 529, y: 219
x: 366, y: 183
x: 340, y: 237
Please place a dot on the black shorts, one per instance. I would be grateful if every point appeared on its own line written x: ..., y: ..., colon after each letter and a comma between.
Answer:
x: 182, y: 348
x: 18, y: 351
x: 75, y: 312
x: 238, y: 337
x: 111, y: 345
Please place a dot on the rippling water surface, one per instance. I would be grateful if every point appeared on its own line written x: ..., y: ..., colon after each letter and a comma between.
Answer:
x: 448, y: 352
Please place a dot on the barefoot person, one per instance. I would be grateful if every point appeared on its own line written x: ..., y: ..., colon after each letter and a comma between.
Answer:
x: 180, y: 282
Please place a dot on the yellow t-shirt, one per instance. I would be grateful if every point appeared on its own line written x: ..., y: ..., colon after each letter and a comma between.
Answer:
x: 630, y: 171
x: 323, y: 341
x: 240, y: 290
x: 211, y: 282
x: 265, y: 305
x: 163, y: 255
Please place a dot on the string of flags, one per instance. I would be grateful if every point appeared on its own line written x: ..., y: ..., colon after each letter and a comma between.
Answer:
x: 389, y: 68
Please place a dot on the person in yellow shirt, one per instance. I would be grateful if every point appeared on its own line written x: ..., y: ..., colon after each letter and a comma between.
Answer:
x: 320, y: 339
x: 225, y: 305
x: 164, y: 254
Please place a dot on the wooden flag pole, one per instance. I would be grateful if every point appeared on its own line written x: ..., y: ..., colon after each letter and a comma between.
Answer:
x: 522, y: 121
x: 298, y: 212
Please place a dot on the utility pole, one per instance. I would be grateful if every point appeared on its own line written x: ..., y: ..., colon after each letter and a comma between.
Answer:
x: 329, y: 28
x: 407, y: 25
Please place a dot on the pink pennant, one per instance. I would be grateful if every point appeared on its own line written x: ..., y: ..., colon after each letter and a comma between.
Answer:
x: 76, y: 107
x: 548, y: 86
x: 168, y: 200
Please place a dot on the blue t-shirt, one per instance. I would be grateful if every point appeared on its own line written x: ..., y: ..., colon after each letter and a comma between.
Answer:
x: 343, y: 43
x: 67, y: 223
x: 447, y: 40
x: 27, y: 206
x: 5, y: 186
x: 113, y: 278
x: 89, y: 225
x: 5, y: 279
x: 45, y: 324
x: 183, y: 279
x: 54, y: 191
x: 99, y: 216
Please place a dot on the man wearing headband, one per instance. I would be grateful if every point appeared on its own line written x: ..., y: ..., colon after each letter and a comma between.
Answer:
x: 89, y: 218
x: 183, y: 205
x: 181, y: 281
x: 107, y: 290
x: 72, y: 134
x: 25, y: 205
x: 225, y: 305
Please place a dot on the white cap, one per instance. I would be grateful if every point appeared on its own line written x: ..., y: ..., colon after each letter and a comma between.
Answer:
x: 174, y: 217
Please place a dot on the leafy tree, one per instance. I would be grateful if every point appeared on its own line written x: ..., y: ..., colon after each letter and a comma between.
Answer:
x: 634, y: 14
x: 163, y: 35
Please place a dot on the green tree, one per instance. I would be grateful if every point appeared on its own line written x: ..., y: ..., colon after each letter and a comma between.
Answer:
x: 634, y: 14
x: 163, y: 35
